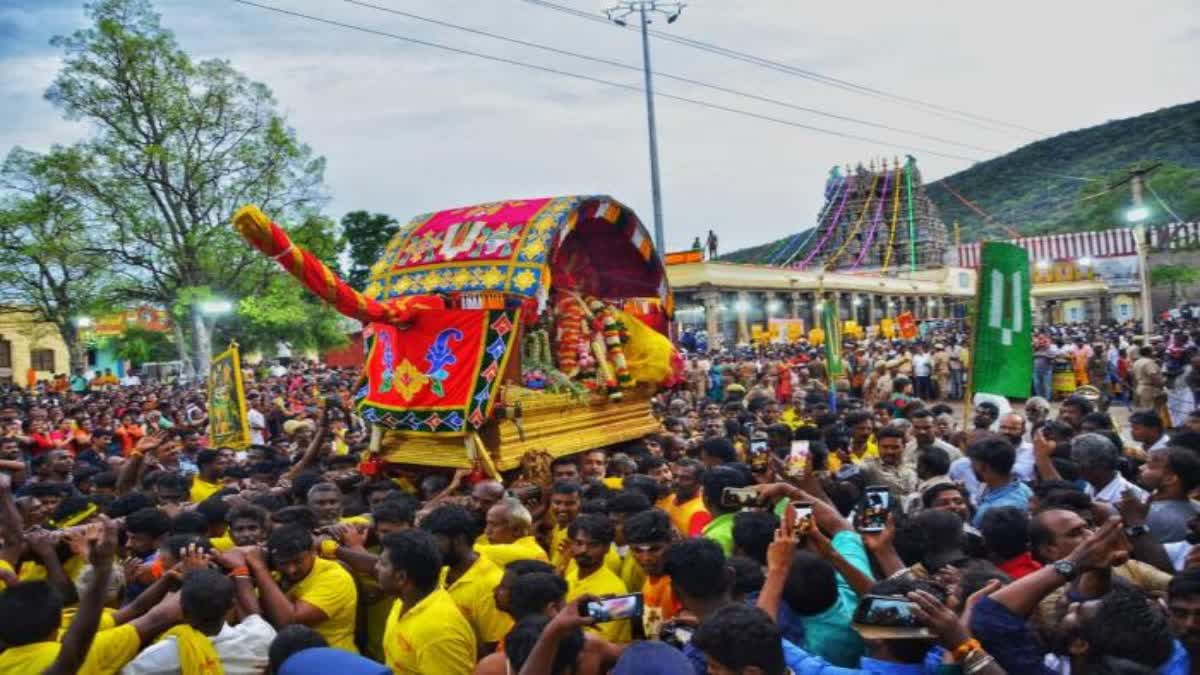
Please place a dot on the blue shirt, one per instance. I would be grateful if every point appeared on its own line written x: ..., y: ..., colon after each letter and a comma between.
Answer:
x: 1008, y: 638
x: 801, y: 662
x: 1015, y: 494
x: 790, y: 623
x: 829, y: 634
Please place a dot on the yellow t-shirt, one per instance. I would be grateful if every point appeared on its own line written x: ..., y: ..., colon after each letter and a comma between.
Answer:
x: 833, y: 463
x: 35, y: 571
x: 330, y: 588
x: 221, y: 543
x: 600, y: 583
x: 627, y: 569
x: 794, y: 420
x: 681, y: 514
x: 557, y: 537
x: 111, y: 650
x: 202, y: 489
x: 525, y: 548
x: 472, y: 592
x: 432, y: 638
x: 7, y: 567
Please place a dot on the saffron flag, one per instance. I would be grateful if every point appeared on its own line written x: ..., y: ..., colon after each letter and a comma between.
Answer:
x: 1002, y: 361
x: 908, y: 325
x: 832, y: 326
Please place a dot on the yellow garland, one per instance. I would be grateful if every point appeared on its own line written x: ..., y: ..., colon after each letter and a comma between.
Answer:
x: 887, y: 259
x: 858, y: 224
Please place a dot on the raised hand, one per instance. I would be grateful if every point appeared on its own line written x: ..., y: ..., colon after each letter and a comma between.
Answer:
x: 104, y: 547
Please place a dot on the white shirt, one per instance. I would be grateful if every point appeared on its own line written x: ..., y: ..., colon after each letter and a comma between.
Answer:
x: 1112, y: 492
x: 131, y: 381
x: 278, y: 371
x: 922, y: 365
x: 1177, y: 552
x: 962, y: 473
x: 257, y: 424
x: 1023, y: 468
x: 241, y: 648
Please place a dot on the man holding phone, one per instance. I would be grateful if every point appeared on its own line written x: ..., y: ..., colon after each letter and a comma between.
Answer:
x: 591, y: 535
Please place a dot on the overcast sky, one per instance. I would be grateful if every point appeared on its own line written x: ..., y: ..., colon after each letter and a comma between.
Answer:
x: 408, y: 129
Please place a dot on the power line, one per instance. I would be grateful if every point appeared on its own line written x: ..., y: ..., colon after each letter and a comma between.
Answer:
x: 814, y: 76
x: 1162, y: 203
x: 677, y: 78
x: 597, y: 80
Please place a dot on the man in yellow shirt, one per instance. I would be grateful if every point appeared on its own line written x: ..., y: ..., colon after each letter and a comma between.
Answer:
x: 469, y: 577
x: 591, y: 536
x: 507, y: 532
x: 320, y: 593
x: 565, y: 500
x: 426, y: 632
x: 211, y: 465
x: 687, y: 502
x: 862, y: 442
x: 31, y: 617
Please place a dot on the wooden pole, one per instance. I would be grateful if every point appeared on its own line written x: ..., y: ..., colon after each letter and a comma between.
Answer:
x: 973, y: 354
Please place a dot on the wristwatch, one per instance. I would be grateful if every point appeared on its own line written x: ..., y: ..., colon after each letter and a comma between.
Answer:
x: 1066, y: 568
x: 1136, y: 530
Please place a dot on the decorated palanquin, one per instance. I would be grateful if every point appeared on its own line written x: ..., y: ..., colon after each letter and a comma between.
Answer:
x: 496, y: 329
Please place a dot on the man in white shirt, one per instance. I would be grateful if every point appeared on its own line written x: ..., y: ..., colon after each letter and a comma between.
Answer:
x: 1098, y: 459
x: 1012, y: 427
x: 922, y: 365
x: 206, y: 598
x: 256, y: 420
x: 131, y: 379
x: 1146, y: 427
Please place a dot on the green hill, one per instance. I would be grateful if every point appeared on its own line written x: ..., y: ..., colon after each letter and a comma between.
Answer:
x: 1037, y: 189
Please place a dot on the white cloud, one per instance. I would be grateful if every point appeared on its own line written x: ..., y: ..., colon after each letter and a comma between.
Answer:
x: 408, y: 129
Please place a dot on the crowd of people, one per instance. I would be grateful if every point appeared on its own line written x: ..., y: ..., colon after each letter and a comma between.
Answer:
x: 779, y: 522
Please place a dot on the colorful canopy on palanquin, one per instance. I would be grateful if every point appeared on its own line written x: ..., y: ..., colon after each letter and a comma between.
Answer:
x: 590, y: 244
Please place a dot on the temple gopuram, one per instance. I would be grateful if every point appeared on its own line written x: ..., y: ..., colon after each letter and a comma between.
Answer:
x: 875, y: 219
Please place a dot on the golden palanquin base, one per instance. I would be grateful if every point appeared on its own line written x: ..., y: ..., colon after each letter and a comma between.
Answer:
x: 557, y: 423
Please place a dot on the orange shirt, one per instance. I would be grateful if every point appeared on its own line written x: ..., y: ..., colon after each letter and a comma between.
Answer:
x: 129, y: 437
x: 658, y: 604
x: 682, y: 514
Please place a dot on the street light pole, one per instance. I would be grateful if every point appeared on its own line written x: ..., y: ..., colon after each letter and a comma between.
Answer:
x: 1138, y: 214
x: 618, y: 15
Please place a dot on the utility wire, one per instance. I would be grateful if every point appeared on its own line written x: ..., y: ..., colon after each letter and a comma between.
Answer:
x: 597, y: 80
x: 1161, y: 202
x: 677, y: 78
x: 801, y: 72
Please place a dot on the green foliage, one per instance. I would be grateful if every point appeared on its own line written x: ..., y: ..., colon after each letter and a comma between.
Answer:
x: 366, y: 234
x: 1031, y: 189
x: 44, y: 262
x: 177, y: 146
x: 1168, y: 275
x: 139, y: 346
x: 283, y: 312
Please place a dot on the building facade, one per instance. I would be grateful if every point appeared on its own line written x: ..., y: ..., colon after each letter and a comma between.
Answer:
x: 730, y: 300
x: 27, y: 343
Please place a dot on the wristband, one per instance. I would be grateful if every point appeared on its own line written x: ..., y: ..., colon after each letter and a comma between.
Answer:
x: 242, y: 571
x: 960, y: 652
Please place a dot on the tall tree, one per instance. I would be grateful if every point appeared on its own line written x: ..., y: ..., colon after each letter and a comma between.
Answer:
x: 45, y: 266
x: 180, y: 144
x: 366, y: 234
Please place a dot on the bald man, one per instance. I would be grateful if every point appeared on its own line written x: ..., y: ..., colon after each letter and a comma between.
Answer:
x: 1012, y: 427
